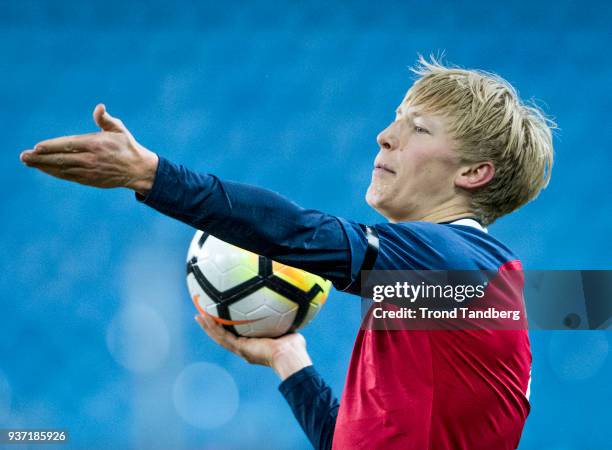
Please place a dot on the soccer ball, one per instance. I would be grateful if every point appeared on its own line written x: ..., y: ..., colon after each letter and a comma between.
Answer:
x: 249, y: 294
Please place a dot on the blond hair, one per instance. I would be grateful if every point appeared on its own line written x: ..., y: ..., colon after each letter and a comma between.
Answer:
x: 489, y: 122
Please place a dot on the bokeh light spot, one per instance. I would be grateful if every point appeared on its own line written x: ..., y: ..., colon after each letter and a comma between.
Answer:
x: 138, y: 338
x: 205, y: 395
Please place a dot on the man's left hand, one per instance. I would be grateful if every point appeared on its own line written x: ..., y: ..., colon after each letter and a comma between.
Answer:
x: 107, y: 159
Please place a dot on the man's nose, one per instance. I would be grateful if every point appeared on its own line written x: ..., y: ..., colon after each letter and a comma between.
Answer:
x: 387, y: 139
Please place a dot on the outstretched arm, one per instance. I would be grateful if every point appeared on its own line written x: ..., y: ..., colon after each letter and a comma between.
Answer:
x: 253, y: 218
x: 256, y: 219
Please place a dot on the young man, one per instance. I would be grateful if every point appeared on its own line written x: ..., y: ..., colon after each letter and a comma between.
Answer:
x: 462, y: 151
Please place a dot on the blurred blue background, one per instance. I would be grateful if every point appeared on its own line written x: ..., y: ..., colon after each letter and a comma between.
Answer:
x: 97, y: 327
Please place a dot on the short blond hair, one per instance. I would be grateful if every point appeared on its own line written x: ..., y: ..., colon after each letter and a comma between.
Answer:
x: 489, y: 122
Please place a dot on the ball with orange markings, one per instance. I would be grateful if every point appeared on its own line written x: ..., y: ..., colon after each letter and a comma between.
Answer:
x: 249, y: 294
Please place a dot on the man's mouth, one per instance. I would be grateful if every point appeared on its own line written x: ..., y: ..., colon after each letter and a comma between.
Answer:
x: 383, y: 167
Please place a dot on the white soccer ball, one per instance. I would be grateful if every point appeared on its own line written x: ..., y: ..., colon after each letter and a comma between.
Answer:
x: 249, y: 294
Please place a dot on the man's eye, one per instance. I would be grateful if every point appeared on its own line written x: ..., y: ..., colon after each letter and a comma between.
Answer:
x: 420, y: 130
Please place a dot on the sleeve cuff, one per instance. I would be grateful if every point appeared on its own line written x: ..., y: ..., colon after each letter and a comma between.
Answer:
x: 294, y: 380
x: 161, y: 178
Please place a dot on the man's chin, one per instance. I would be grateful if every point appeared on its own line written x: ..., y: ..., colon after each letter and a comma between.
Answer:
x: 374, y: 201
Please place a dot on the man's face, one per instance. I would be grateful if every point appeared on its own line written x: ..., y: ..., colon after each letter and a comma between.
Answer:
x: 415, y: 168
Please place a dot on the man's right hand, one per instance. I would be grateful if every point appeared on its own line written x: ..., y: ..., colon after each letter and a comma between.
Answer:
x: 286, y: 354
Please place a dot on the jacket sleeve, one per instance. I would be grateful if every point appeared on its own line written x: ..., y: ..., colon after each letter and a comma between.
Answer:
x: 260, y: 221
x: 313, y: 405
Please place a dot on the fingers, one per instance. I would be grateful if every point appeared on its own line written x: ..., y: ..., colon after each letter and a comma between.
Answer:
x: 218, y: 334
x: 78, y: 143
x: 252, y: 350
x: 66, y: 148
x: 34, y: 158
x: 66, y: 144
x: 105, y: 121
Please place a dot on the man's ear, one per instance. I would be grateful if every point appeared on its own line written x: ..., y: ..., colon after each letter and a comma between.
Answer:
x: 475, y: 175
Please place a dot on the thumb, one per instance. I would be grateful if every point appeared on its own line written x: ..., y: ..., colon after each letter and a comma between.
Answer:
x: 105, y: 121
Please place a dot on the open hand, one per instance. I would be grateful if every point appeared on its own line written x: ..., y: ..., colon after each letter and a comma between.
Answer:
x: 286, y: 354
x: 107, y: 159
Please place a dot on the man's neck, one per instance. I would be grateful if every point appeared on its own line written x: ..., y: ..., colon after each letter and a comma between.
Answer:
x: 444, y: 213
